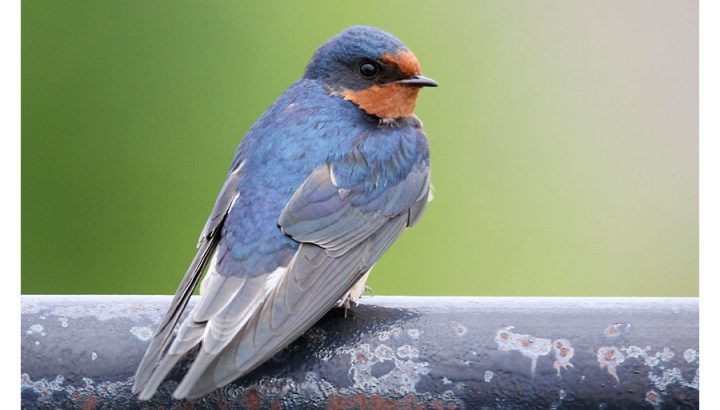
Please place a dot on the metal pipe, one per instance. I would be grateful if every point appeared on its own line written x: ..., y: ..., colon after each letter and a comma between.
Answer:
x: 389, y: 352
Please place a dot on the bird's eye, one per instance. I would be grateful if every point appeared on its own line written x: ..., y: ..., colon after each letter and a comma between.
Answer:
x: 369, y: 70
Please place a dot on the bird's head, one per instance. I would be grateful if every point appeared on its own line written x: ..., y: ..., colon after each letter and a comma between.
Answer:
x: 371, y: 68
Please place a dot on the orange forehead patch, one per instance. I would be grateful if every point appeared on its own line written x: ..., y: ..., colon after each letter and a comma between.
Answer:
x: 405, y: 60
x: 385, y: 101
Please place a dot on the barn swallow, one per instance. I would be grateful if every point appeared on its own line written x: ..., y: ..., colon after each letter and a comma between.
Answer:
x: 322, y: 184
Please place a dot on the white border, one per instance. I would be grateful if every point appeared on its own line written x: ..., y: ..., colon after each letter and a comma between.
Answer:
x: 709, y: 199
x: 10, y: 204
x: 10, y: 211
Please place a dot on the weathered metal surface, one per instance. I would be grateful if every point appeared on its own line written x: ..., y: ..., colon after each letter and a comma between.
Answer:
x: 389, y: 352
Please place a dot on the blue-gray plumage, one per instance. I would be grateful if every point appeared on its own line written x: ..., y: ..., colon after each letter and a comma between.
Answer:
x: 319, y: 188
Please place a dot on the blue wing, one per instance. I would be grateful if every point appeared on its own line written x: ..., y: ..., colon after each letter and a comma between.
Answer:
x: 341, y: 236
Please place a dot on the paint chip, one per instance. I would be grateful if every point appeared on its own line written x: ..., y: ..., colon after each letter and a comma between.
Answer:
x: 488, y: 376
x: 563, y: 353
x: 652, y: 397
x: 617, y: 329
x: 666, y: 355
x: 529, y: 346
x: 141, y: 332
x: 610, y: 357
x: 408, y: 352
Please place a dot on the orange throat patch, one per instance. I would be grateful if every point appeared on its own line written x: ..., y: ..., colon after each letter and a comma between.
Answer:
x: 385, y: 101
x: 390, y: 100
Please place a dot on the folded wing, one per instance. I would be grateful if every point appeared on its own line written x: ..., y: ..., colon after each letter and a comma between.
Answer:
x: 341, y: 235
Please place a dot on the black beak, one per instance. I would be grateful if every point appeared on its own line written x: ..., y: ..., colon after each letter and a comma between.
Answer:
x: 418, y: 81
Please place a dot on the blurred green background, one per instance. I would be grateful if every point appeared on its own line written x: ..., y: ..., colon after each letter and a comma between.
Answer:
x: 564, y: 138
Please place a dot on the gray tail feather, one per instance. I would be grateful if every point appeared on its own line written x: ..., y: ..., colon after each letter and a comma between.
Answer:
x: 162, y: 337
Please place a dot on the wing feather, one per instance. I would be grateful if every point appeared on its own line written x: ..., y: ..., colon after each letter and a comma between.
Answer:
x: 206, y: 246
x: 240, y: 323
x: 303, y: 296
x: 339, y: 243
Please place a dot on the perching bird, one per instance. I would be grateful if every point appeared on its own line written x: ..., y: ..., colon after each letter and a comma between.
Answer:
x: 319, y: 188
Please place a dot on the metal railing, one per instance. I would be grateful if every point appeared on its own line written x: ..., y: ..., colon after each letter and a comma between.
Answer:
x: 389, y: 352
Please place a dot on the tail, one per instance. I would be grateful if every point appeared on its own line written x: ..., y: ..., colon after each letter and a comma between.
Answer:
x: 162, y: 337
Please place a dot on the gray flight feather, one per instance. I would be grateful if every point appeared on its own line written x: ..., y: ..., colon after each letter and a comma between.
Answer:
x: 208, y: 241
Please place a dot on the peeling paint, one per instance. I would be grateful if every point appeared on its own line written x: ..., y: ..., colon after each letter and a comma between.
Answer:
x: 408, y: 352
x: 141, y: 332
x: 610, y: 357
x: 563, y: 354
x: 651, y: 361
x: 634, y: 351
x: 380, y: 364
x: 690, y: 355
x: 695, y: 383
x: 413, y: 333
x: 529, y: 346
x: 100, y: 311
x: 668, y: 376
x: 666, y: 355
x: 400, y: 377
x: 37, y: 329
x: 383, y: 336
x: 617, y: 329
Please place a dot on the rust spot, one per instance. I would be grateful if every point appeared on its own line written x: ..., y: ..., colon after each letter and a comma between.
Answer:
x: 404, y: 60
x: 378, y: 402
x: 334, y: 403
x: 275, y: 405
x: 253, y: 399
x: 186, y: 406
x: 563, y: 353
x: 652, y: 397
x: 357, y: 401
x: 439, y: 405
x: 90, y: 403
x: 529, y: 346
x: 610, y: 357
x: 385, y: 101
x: 616, y: 329
x: 361, y: 358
